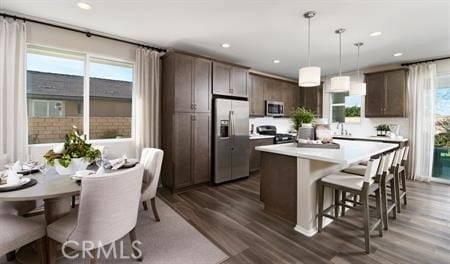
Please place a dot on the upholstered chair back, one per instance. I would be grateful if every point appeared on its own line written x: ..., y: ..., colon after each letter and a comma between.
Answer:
x: 372, y: 168
x: 108, y: 206
x: 151, y: 159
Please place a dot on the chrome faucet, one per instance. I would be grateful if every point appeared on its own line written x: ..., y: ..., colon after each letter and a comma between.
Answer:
x: 341, y: 124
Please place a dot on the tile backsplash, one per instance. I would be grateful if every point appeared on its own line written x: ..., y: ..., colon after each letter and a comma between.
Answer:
x: 283, y: 125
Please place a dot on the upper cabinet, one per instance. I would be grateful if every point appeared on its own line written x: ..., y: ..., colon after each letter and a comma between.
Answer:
x: 386, y: 94
x: 256, y: 98
x: 312, y: 98
x: 187, y: 83
x: 229, y: 80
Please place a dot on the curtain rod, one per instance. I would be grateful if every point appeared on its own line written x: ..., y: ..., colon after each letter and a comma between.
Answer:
x: 87, y: 33
x: 430, y: 60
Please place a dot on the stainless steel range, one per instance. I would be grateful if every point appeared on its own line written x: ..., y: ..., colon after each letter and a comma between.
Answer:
x: 272, y: 131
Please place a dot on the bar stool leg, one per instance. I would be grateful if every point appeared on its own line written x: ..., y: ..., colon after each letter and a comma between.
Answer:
x: 365, y: 205
x: 397, y: 189
x: 379, y: 212
x: 336, y: 203
x: 320, y: 207
x: 404, y: 185
x: 393, y: 197
x: 344, y: 196
x: 384, y: 204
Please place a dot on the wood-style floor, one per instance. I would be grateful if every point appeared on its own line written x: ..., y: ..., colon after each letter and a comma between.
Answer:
x: 232, y: 216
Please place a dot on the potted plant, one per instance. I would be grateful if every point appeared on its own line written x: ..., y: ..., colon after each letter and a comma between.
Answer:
x: 302, y: 119
x: 382, y: 129
x: 72, y: 155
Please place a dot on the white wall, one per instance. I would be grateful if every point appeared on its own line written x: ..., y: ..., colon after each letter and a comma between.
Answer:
x: 283, y: 124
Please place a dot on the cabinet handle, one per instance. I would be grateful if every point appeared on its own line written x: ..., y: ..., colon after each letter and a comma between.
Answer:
x: 192, y: 106
x: 231, y: 90
x: 193, y: 117
x: 195, y: 106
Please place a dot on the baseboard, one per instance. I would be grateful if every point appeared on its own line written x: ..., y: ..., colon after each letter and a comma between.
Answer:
x: 311, y: 232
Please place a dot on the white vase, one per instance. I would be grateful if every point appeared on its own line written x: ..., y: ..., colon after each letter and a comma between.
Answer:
x: 306, y: 131
x: 76, y: 164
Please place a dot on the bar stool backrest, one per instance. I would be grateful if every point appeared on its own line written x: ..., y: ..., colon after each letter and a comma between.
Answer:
x: 390, y: 159
x: 371, y: 171
x: 383, y: 162
x: 398, y: 161
x: 405, y: 155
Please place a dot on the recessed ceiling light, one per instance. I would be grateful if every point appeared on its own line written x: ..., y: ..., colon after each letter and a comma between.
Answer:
x: 226, y: 45
x: 84, y: 5
x: 374, y: 34
x: 398, y: 54
x: 276, y: 61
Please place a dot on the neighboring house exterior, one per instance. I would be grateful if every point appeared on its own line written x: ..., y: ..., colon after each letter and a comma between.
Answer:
x: 55, y: 103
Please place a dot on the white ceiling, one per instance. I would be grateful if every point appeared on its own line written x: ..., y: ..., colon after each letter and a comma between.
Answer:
x: 260, y: 31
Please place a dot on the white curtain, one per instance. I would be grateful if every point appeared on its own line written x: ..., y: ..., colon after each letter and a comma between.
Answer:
x: 421, y: 83
x: 13, y: 106
x: 147, y: 97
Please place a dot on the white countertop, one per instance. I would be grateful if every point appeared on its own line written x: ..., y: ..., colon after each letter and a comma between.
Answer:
x: 373, y: 138
x: 350, y: 151
x: 257, y: 136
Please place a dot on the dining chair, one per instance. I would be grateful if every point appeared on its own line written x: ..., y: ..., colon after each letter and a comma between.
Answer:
x: 107, y: 211
x: 151, y: 159
x: 16, y: 231
x: 362, y: 186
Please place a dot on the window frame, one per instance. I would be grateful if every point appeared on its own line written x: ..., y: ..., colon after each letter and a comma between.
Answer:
x: 47, y: 102
x: 86, y: 91
x: 362, y: 114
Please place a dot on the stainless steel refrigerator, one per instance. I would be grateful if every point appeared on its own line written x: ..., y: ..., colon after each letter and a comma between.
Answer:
x: 231, y: 134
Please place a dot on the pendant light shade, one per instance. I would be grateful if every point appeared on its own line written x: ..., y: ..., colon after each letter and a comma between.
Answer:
x: 359, y: 87
x: 340, y: 83
x: 309, y: 76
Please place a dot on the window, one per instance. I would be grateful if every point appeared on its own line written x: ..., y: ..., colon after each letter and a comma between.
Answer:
x: 66, y: 89
x: 345, y: 108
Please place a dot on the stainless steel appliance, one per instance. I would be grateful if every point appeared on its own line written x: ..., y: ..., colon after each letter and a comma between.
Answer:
x: 272, y: 131
x: 274, y: 108
x: 231, y: 146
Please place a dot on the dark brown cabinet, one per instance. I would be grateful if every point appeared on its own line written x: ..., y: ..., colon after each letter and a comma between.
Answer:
x: 312, y: 98
x: 257, y: 104
x: 186, y: 120
x: 255, y: 156
x: 229, y: 80
x: 386, y: 94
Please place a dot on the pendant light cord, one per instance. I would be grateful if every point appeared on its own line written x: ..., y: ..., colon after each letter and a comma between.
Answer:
x: 340, y: 54
x: 309, y: 41
x: 357, y: 66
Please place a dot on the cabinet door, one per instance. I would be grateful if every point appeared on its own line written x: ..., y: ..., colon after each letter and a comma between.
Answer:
x: 395, y: 94
x: 375, y: 96
x: 272, y: 91
x: 221, y: 78
x: 182, y: 136
x: 257, y: 104
x: 202, y: 85
x: 238, y: 80
x: 286, y: 97
x: 255, y: 156
x: 319, y: 100
x: 183, y: 83
x: 202, y: 148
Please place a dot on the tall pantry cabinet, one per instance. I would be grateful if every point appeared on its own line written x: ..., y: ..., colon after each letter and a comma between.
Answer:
x: 186, y: 124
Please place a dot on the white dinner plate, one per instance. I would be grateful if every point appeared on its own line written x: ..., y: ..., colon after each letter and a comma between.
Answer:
x: 8, y: 186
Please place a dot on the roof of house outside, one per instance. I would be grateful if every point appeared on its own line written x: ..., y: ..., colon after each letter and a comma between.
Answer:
x: 54, y: 85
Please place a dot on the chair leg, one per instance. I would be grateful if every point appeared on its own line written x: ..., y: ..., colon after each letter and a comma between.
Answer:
x: 52, y: 246
x: 93, y: 256
x: 137, y: 253
x: 379, y: 212
x: 144, y: 203
x: 336, y: 203
x: 10, y: 256
x: 344, y: 196
x: 41, y: 248
x: 155, y: 211
x: 393, y: 198
x: 73, y: 201
x: 384, y: 204
x: 404, y: 185
x: 397, y: 190
x: 320, y: 188
x: 365, y: 204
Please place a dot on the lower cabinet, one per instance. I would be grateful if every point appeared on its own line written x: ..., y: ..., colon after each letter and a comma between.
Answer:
x: 255, y: 156
x: 187, y: 148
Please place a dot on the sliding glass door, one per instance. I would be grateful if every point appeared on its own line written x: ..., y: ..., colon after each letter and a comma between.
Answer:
x: 441, y: 159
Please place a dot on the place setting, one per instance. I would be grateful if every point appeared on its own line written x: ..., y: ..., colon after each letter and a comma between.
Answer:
x: 12, y: 178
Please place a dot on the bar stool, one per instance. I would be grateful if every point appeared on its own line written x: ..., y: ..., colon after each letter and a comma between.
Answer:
x: 385, y: 177
x: 362, y: 186
x: 400, y: 176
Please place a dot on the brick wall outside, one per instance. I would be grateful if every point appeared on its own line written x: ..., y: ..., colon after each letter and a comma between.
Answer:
x: 54, y: 129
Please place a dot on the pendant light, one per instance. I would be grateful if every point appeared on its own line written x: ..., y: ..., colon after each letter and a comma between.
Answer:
x: 340, y: 83
x: 309, y: 76
x: 359, y: 87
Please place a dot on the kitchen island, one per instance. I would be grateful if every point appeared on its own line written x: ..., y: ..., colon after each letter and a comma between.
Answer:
x: 289, y: 175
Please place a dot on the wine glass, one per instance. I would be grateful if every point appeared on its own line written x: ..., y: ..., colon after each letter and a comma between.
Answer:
x: 44, y: 168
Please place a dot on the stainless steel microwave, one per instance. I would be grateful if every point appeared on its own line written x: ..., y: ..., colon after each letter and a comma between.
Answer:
x: 274, y: 108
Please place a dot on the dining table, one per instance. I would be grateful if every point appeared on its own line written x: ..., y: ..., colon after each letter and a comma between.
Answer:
x: 56, y: 191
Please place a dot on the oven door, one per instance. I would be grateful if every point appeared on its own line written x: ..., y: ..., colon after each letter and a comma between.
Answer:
x: 274, y: 108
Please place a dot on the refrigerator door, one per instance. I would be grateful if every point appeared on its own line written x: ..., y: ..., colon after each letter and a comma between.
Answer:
x: 222, y: 136
x: 240, y: 139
